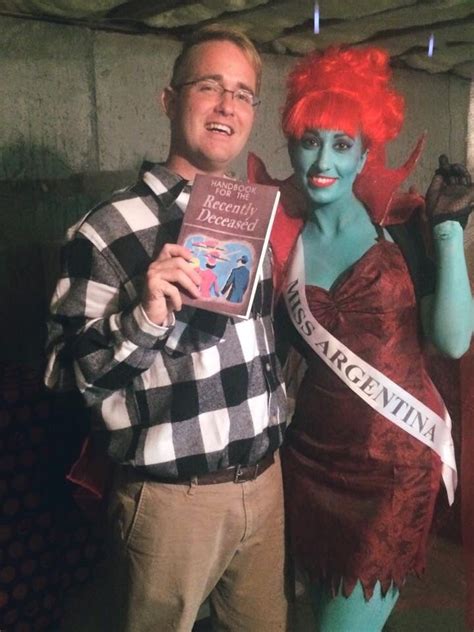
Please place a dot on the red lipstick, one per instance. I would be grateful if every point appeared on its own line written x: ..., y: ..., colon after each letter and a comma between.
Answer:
x: 321, y: 182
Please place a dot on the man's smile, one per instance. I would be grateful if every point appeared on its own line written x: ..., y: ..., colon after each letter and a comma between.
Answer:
x: 220, y: 128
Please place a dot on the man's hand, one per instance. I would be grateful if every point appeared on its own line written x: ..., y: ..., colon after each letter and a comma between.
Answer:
x: 166, y: 276
x: 450, y: 195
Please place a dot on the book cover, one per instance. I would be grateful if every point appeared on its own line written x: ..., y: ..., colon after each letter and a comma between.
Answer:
x: 227, y: 226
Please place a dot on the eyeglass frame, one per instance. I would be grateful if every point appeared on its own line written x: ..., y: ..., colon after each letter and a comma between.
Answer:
x: 223, y: 90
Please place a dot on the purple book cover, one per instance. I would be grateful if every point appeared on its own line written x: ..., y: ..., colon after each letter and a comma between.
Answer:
x: 227, y: 226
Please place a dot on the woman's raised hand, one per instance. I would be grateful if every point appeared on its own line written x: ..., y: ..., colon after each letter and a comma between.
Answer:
x: 450, y: 195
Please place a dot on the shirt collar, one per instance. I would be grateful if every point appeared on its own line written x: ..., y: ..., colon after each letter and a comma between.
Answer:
x: 166, y: 185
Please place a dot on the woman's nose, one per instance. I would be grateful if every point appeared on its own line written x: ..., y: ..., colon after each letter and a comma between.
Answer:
x: 323, y: 159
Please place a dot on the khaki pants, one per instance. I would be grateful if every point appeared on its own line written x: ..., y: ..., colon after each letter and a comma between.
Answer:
x: 173, y: 546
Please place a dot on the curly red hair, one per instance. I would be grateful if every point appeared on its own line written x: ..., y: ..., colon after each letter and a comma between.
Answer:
x: 344, y: 89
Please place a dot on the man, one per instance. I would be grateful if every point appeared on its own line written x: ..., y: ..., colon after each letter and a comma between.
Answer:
x: 192, y: 402
x: 237, y: 282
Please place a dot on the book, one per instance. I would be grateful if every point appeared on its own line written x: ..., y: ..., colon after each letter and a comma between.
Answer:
x: 227, y: 226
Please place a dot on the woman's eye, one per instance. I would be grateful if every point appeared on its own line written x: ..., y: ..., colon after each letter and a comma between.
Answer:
x: 309, y: 141
x: 342, y: 145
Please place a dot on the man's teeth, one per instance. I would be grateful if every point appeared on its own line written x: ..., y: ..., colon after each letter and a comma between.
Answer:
x: 218, y: 127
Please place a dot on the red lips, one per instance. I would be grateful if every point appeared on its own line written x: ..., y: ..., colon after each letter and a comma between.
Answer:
x: 321, y: 182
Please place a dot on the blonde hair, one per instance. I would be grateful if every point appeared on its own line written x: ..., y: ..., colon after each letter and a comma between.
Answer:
x: 216, y: 33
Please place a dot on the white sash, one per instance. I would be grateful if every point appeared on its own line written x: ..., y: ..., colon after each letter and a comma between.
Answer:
x: 377, y: 390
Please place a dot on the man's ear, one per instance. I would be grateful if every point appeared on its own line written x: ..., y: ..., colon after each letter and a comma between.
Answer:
x: 168, y: 101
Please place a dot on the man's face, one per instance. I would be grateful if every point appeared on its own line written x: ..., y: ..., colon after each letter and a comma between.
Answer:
x: 209, y: 130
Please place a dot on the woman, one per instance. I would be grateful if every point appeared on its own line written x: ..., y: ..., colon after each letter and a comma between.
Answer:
x: 369, y: 438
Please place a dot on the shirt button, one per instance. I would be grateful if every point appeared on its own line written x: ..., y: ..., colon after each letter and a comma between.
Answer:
x: 267, y: 366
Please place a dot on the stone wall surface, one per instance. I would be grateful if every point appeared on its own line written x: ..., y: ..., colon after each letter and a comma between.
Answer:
x: 130, y: 73
x: 80, y: 110
x: 408, y: 29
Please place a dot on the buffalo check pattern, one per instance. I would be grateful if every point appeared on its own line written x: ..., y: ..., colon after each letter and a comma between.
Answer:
x: 201, y: 394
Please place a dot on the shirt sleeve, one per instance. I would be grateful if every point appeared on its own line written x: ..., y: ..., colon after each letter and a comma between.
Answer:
x: 97, y: 330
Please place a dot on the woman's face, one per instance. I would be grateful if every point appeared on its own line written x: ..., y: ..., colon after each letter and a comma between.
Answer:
x: 326, y: 163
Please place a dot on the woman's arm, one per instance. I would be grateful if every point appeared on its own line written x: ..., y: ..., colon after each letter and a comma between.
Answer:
x: 448, y: 314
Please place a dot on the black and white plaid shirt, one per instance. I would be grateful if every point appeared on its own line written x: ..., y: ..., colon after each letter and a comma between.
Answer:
x: 199, y: 396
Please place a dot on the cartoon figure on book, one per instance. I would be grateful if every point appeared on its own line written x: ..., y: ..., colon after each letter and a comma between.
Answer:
x: 238, y: 281
x: 233, y: 274
x: 213, y: 254
x: 369, y: 441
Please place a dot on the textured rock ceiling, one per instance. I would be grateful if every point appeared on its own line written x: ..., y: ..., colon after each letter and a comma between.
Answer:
x: 287, y: 26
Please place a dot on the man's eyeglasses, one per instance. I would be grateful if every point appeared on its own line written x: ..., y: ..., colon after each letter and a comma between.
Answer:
x: 215, y: 90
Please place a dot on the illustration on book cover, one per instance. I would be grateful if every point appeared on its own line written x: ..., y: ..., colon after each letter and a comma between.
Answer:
x: 224, y: 267
x: 226, y: 227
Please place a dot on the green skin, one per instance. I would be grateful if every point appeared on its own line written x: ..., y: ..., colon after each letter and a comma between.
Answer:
x: 337, y: 233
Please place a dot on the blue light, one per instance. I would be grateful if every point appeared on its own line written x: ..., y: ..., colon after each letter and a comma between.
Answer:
x: 431, y: 45
x: 316, y: 18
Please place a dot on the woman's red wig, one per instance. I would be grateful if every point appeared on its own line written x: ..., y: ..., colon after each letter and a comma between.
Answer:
x: 344, y: 89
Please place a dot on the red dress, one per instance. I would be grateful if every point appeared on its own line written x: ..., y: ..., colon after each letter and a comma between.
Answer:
x: 360, y: 491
